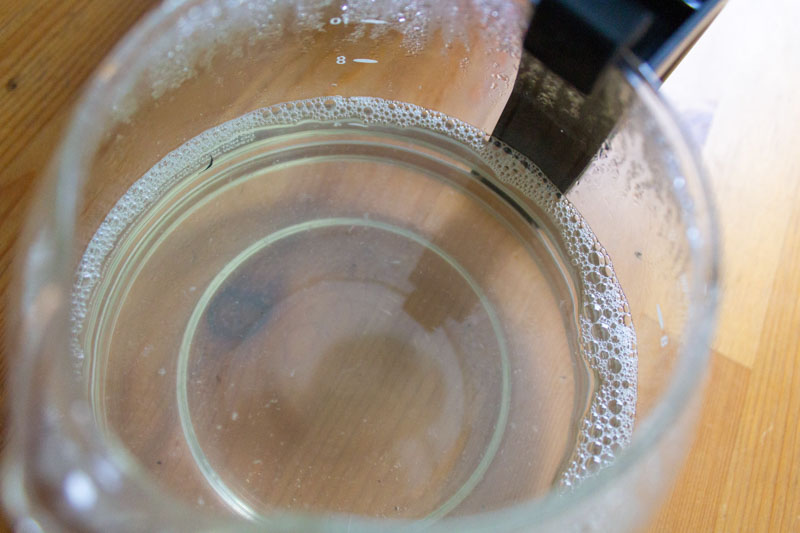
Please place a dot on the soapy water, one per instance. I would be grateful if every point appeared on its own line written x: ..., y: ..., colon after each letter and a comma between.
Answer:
x: 606, y: 341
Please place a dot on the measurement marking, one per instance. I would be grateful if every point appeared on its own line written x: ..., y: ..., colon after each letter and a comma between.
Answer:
x: 660, y: 317
x: 373, y: 21
x: 365, y: 61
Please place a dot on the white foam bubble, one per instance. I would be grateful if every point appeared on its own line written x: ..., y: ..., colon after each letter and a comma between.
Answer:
x: 607, y: 338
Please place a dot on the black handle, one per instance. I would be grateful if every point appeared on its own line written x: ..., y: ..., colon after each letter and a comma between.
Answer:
x: 566, y: 100
x: 578, y: 39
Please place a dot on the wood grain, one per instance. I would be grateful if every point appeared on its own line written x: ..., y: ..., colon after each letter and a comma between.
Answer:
x: 47, y: 51
x: 737, y: 91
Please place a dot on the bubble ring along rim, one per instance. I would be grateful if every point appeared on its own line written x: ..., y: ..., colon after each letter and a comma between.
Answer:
x: 184, y: 354
x: 74, y: 159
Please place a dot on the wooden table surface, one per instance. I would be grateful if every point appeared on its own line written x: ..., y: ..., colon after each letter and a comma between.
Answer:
x: 738, y: 92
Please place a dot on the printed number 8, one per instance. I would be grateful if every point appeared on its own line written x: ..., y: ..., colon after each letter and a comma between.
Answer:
x: 340, y: 60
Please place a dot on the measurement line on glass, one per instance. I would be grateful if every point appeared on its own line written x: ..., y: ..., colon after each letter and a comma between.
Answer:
x: 341, y: 60
x: 344, y: 19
